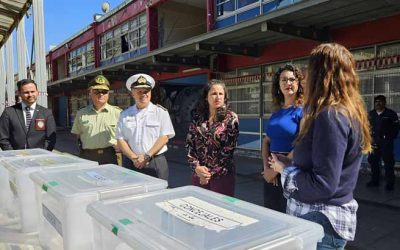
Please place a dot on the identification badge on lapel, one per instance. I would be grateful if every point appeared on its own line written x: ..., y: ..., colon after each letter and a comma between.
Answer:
x: 40, y: 124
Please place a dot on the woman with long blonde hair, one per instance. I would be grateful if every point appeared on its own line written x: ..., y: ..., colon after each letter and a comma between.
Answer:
x: 320, y: 181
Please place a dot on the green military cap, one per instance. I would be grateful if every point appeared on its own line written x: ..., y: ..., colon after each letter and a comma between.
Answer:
x: 99, y: 82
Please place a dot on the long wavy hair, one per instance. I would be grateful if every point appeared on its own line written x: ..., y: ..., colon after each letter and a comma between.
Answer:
x: 203, y: 110
x: 333, y: 82
x: 278, y: 99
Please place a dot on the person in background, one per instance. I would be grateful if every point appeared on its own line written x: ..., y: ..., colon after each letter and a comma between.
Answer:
x: 211, y: 141
x: 144, y: 130
x: 385, y: 127
x: 27, y: 124
x: 334, y: 134
x: 95, y: 124
x: 282, y: 129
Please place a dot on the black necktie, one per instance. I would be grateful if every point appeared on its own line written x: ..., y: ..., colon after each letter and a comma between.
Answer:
x: 28, y: 117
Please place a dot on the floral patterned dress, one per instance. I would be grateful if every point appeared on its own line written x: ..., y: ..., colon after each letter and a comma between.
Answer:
x: 212, y: 144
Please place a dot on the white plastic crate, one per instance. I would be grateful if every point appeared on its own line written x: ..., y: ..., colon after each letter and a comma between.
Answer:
x: 194, y: 218
x: 65, y: 222
x: 8, y: 215
x: 16, y: 172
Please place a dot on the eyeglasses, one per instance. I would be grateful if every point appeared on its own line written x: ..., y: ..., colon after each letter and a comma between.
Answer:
x: 288, y: 80
x: 102, y: 92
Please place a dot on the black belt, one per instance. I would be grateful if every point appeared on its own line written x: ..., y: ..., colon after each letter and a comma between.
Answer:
x: 98, y: 151
x: 155, y: 156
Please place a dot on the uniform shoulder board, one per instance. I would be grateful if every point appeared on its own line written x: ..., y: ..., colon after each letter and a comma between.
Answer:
x: 158, y: 105
x: 120, y: 109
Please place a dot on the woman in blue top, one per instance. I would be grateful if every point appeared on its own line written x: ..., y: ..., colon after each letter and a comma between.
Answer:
x: 282, y: 129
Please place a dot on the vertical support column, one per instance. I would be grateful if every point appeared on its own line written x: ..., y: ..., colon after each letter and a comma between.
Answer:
x: 96, y: 45
x: 21, y: 50
x: 10, y: 71
x: 2, y: 82
x: 40, y: 53
x: 152, y: 24
x: 210, y: 14
x: 262, y: 80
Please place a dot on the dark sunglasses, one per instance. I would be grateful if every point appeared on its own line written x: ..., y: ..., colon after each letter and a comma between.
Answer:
x: 98, y: 92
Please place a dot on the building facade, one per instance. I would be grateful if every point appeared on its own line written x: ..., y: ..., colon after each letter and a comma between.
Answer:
x: 183, y: 44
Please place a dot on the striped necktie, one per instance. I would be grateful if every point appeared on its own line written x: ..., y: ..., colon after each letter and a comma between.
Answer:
x: 28, y: 117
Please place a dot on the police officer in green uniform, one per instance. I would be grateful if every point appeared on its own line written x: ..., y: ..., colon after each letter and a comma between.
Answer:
x: 95, y: 125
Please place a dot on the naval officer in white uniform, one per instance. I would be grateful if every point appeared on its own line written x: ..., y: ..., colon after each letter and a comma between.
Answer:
x: 144, y: 129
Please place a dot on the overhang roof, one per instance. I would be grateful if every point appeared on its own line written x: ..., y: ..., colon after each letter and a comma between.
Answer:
x: 11, y: 12
x: 307, y: 15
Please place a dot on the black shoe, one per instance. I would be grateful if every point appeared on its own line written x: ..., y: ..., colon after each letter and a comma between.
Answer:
x: 389, y: 187
x: 372, y: 184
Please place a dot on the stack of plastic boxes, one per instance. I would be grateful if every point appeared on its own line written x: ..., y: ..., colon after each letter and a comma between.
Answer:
x: 194, y: 218
x: 8, y: 215
x: 66, y: 224
x: 17, y: 171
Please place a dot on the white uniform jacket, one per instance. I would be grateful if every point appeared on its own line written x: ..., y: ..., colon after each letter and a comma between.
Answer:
x: 141, y: 128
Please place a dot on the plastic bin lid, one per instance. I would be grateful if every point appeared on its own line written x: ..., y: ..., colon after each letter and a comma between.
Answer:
x: 23, y: 152
x: 194, y: 218
x: 44, y: 161
x: 107, y: 180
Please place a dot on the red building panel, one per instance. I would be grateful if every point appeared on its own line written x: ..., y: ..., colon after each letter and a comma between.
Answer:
x: 368, y: 33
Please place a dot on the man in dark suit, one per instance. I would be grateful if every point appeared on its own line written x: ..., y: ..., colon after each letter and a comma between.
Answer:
x: 27, y: 124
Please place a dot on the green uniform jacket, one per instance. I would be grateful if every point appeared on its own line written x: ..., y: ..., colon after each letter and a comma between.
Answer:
x: 96, y: 129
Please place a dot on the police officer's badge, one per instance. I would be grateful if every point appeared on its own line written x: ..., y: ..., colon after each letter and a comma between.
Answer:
x: 100, y: 79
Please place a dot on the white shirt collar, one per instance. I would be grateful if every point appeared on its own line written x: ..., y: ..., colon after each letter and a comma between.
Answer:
x: 32, y: 107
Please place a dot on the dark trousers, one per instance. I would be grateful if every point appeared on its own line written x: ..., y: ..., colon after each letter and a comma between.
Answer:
x: 102, y: 156
x: 224, y: 184
x: 384, y: 151
x: 158, y: 167
x: 273, y: 196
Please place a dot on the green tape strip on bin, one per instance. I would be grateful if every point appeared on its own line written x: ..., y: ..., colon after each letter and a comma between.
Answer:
x: 130, y: 172
x: 124, y: 222
x: 114, y: 230
x: 230, y: 199
x: 45, y: 187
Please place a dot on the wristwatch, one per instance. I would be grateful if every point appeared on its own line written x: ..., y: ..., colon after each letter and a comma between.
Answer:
x: 147, y: 157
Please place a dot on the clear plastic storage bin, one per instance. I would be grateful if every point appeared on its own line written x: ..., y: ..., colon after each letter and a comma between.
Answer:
x: 16, y: 177
x: 18, y: 241
x: 7, y: 208
x: 194, y: 218
x: 23, y: 152
x: 65, y: 222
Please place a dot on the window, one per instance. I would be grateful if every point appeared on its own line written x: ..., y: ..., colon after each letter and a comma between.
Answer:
x: 244, y: 91
x: 243, y: 3
x: 225, y: 7
x: 81, y: 57
x: 129, y: 36
x: 388, y: 50
x: 378, y: 77
x: 363, y: 54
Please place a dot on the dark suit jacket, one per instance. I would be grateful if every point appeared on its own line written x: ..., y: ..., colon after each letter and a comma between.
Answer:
x: 14, y: 135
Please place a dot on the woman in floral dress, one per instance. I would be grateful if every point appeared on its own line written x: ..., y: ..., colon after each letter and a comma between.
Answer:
x: 211, y: 141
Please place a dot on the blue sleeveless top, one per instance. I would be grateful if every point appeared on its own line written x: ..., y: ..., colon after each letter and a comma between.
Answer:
x: 283, y: 127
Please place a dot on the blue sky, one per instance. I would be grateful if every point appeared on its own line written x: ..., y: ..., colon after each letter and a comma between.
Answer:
x: 63, y: 18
